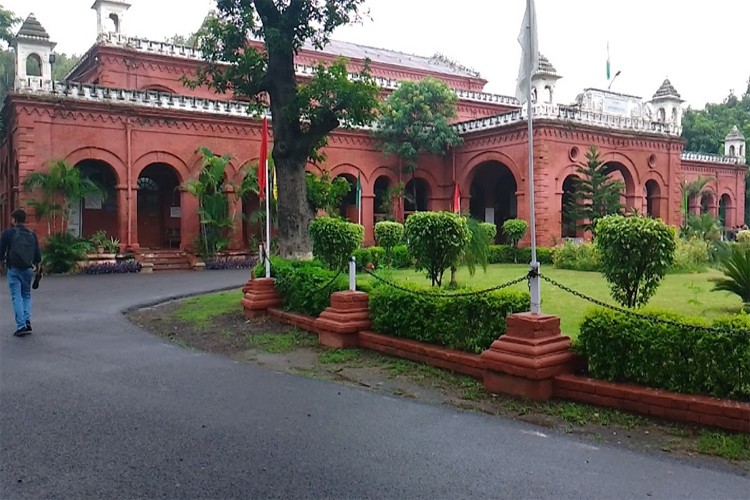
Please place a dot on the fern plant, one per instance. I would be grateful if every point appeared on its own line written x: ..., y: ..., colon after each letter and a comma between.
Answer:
x: 735, y: 264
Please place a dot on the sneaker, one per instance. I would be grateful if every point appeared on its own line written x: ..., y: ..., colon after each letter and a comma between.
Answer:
x: 21, y: 332
x: 28, y: 326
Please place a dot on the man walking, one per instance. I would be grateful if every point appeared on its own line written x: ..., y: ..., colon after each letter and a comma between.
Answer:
x: 19, y: 250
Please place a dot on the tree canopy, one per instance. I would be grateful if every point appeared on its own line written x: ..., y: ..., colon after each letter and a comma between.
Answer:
x: 303, y: 112
x: 705, y: 129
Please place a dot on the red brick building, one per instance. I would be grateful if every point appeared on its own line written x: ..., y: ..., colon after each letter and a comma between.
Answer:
x: 124, y: 118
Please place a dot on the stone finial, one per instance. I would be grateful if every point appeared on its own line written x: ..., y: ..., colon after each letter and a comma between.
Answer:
x: 666, y: 90
x: 735, y: 135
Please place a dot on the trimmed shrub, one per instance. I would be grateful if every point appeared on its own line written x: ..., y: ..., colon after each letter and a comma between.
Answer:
x: 300, y: 284
x: 576, y: 256
x: 369, y: 257
x: 401, y: 258
x: 468, y: 323
x: 504, y: 254
x: 635, y: 253
x: 436, y: 240
x: 515, y: 230
x: 490, y: 230
x: 128, y: 266
x: 388, y: 235
x: 624, y: 348
x: 335, y: 240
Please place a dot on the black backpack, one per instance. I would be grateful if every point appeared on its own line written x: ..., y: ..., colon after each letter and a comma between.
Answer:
x: 22, y: 249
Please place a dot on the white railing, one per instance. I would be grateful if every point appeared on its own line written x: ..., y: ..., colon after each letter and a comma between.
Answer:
x: 568, y: 114
x: 173, y: 50
x: 711, y: 158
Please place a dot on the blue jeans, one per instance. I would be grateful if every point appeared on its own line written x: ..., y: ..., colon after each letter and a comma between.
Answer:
x: 19, y: 283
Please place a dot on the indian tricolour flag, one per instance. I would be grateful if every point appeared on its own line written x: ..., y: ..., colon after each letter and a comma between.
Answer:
x: 607, y: 60
x: 359, y: 199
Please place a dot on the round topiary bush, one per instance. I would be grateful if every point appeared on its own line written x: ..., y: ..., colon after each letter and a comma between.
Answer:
x: 436, y: 241
x: 490, y: 230
x: 335, y: 240
x: 389, y: 234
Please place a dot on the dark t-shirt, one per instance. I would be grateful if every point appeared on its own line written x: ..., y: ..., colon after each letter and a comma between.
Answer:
x: 5, y: 240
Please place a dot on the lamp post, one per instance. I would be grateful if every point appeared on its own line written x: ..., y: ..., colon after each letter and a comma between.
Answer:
x: 613, y: 79
x: 52, y: 59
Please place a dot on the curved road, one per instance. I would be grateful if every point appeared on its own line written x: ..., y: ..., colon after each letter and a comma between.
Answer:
x: 93, y: 407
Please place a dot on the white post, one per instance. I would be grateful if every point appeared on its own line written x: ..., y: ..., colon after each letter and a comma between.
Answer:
x: 353, y: 274
x: 536, y: 299
x: 268, y: 226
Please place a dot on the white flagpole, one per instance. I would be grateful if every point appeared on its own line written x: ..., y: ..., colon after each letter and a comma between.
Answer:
x: 268, y: 225
x: 536, y: 299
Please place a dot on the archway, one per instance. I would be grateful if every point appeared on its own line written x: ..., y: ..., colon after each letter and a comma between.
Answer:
x: 159, y: 212
x: 348, y: 206
x: 416, y: 194
x: 569, y: 227
x: 618, y: 171
x: 652, y: 193
x: 726, y: 211
x: 96, y: 212
x: 493, y: 195
x: 707, y: 203
x: 383, y: 205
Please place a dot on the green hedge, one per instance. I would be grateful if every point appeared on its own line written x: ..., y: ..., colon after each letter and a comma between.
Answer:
x: 503, y: 254
x: 624, y: 348
x: 468, y: 324
x: 576, y: 257
x: 376, y: 256
x: 299, y: 284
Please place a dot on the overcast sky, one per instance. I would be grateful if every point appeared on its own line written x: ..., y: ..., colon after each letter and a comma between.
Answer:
x: 698, y: 45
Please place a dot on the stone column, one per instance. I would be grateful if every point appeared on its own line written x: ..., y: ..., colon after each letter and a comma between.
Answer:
x: 339, y: 324
x: 694, y: 205
x: 189, y: 219
x: 235, y: 210
x: 368, y: 218
x: 525, y: 360
x: 132, y: 205
x: 122, y: 215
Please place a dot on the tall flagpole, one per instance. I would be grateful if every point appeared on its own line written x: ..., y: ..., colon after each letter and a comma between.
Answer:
x: 268, y: 224
x: 536, y: 300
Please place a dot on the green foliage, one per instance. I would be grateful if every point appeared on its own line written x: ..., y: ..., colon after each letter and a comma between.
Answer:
x: 506, y: 254
x: 64, y: 63
x: 635, y: 253
x: 467, y: 323
x: 735, y: 264
x: 477, y: 249
x: 490, y: 229
x: 63, y: 251
x: 705, y: 129
x: 7, y: 20
x: 370, y: 257
x: 595, y: 195
x: 416, y: 120
x: 703, y: 226
x: 401, y: 257
x: 624, y: 348
x: 691, y: 256
x: 743, y: 236
x: 515, y: 230
x: 335, y: 240
x: 61, y: 187
x: 436, y: 240
x: 388, y: 235
x: 576, y: 256
x: 326, y: 194
x: 302, y: 284
x: 305, y: 110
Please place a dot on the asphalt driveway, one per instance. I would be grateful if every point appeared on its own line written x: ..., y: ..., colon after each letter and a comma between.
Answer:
x: 91, y: 406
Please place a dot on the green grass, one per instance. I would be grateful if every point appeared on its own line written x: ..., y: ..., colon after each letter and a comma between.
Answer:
x: 278, y: 343
x: 724, y: 444
x: 339, y: 356
x: 688, y: 294
x: 202, y: 309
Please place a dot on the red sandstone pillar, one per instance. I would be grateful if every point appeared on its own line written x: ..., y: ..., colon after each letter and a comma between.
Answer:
x: 235, y: 211
x: 339, y: 324
x: 189, y: 222
x: 132, y: 205
x: 368, y: 218
x: 694, y: 205
x: 261, y: 295
x: 525, y: 360
x: 122, y: 216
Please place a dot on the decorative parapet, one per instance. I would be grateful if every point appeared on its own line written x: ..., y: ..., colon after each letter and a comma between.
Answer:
x: 711, y: 158
x: 180, y: 51
x: 568, y: 114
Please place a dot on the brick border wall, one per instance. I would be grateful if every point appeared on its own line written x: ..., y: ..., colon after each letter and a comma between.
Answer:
x: 714, y: 412
x: 527, y: 361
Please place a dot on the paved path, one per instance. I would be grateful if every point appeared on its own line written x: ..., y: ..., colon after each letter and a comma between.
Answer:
x: 93, y: 407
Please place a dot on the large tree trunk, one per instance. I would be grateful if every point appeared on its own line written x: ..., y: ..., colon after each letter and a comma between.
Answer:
x: 294, y: 213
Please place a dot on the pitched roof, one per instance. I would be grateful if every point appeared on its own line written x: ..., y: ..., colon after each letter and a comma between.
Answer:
x: 735, y: 134
x: 31, y: 28
x: 545, y: 67
x: 357, y: 51
x: 666, y: 90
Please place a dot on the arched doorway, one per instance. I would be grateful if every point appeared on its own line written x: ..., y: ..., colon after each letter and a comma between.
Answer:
x: 348, y: 206
x: 95, y: 212
x: 707, y: 203
x: 569, y: 227
x: 618, y: 172
x: 493, y: 195
x: 159, y: 212
x: 416, y: 195
x: 726, y: 211
x: 652, y: 194
x: 383, y: 203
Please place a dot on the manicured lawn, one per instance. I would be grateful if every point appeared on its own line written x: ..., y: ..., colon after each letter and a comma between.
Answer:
x: 688, y: 294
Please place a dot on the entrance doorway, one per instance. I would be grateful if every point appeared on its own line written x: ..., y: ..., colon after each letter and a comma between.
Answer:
x: 159, y: 212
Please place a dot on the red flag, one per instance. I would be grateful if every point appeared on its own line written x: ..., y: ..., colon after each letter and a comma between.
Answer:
x: 456, y: 200
x: 263, y: 162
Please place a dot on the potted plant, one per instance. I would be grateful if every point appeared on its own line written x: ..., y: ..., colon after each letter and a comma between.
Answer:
x: 100, y: 240
x: 112, y: 245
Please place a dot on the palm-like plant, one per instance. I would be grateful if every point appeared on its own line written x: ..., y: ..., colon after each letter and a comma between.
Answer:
x: 692, y: 189
x: 476, y: 252
x: 60, y: 187
x: 735, y: 265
